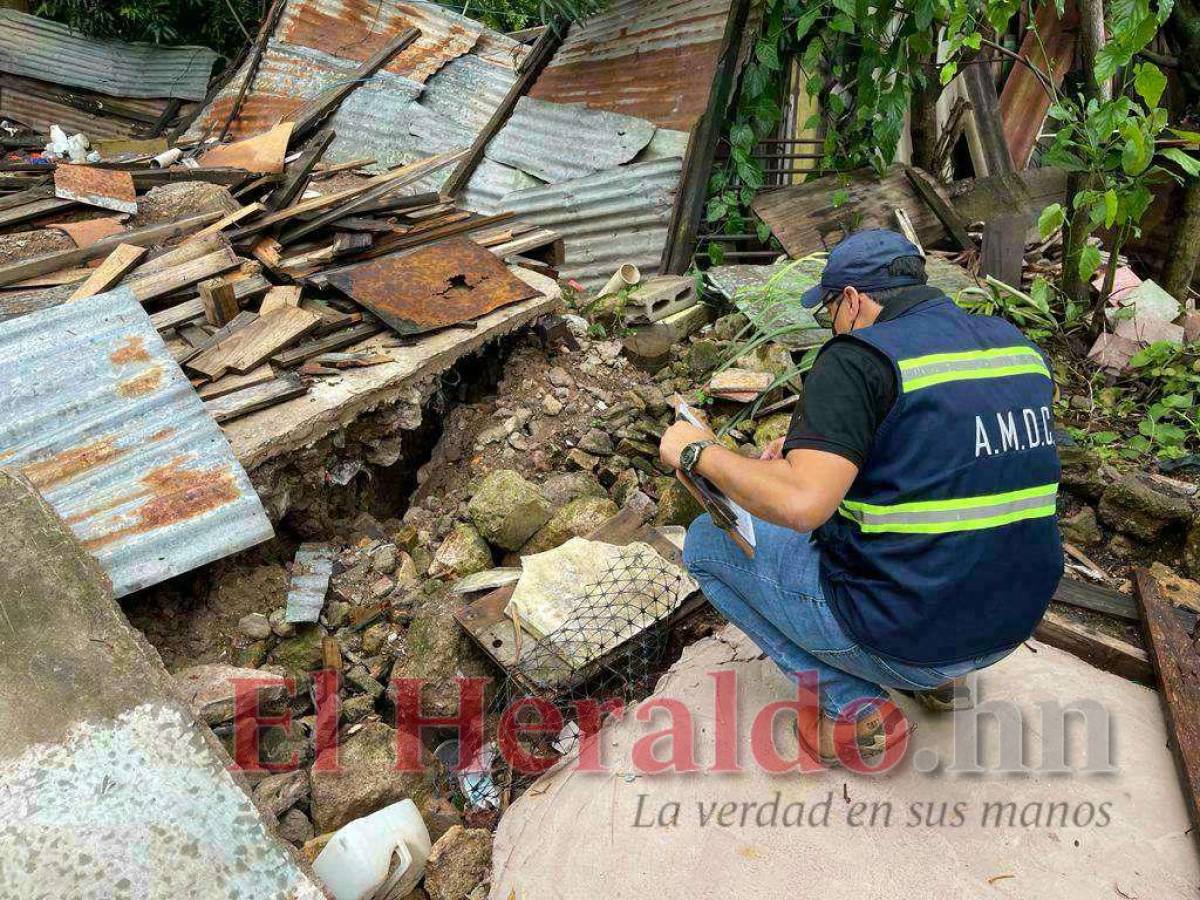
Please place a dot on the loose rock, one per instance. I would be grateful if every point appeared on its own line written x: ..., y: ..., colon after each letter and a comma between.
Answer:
x: 1140, y: 507
x: 463, y: 552
x: 460, y: 860
x: 507, y: 509
x: 578, y: 518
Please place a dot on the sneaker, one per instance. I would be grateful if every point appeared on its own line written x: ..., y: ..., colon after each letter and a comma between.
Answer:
x: 949, y: 697
x: 873, y: 734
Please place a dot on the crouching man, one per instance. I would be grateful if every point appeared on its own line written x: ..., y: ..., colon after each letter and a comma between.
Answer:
x: 905, y: 526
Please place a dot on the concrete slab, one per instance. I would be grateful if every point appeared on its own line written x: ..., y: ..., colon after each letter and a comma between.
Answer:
x: 332, y: 404
x: 108, y: 787
x: 577, y: 835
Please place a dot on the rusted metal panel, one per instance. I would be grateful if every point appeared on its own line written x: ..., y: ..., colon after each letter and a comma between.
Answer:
x: 606, y: 219
x: 39, y: 48
x: 655, y: 60
x: 106, y: 188
x: 467, y: 90
x: 557, y: 142
x: 95, y: 412
x: 450, y: 282
x: 40, y: 104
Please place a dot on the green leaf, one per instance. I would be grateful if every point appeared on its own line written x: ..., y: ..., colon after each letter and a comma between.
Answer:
x: 741, y: 136
x: 716, y: 211
x: 949, y: 70
x: 1137, y: 152
x: 973, y: 40
x: 716, y: 254
x: 840, y: 197
x: 1189, y: 164
x: 1110, y: 207
x: 1149, y: 82
x: 768, y: 54
x: 1192, y: 137
x: 1089, y: 262
x: 805, y: 23
x: 1051, y: 220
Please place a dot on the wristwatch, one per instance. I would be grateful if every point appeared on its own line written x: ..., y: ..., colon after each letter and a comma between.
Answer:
x: 689, y: 458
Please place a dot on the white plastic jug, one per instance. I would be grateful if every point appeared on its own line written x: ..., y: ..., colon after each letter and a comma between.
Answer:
x: 355, y: 863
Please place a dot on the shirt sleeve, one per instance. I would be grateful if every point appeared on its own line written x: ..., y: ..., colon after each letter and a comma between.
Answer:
x: 847, y: 395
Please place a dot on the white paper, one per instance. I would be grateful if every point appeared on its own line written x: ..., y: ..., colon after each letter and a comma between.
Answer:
x: 745, y: 522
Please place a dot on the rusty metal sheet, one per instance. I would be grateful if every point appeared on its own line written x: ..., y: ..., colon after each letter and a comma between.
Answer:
x: 262, y: 153
x: 88, y: 231
x: 40, y: 48
x: 95, y: 412
x: 655, y: 60
x: 557, y: 142
x: 106, y: 188
x: 612, y: 217
x: 40, y: 104
x: 450, y: 282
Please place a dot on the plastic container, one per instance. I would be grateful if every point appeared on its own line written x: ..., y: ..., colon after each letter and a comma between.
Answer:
x: 381, y: 855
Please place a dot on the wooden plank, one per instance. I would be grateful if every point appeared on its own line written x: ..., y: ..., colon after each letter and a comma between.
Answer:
x: 702, y: 148
x: 123, y: 258
x: 946, y: 214
x: 174, y: 316
x: 251, y: 209
x: 1003, y: 253
x: 220, y: 303
x: 252, y: 399
x: 394, y: 180
x: 141, y: 237
x: 1097, y: 598
x: 33, y: 210
x: 253, y: 345
x: 985, y: 111
x: 185, y: 252
x: 535, y: 61
x: 1095, y: 647
x: 314, y: 112
x: 53, y: 279
x: 161, y: 283
x: 145, y: 179
x: 1178, y: 668
x: 227, y: 384
x: 1024, y: 102
x: 297, y: 174
x: 330, y: 342
x: 241, y: 320
x: 280, y: 297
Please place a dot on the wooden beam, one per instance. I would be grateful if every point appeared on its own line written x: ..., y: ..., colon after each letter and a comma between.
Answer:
x: 251, y: 346
x: 946, y: 214
x: 314, y: 112
x: 141, y: 237
x: 538, y: 57
x: 702, y: 148
x: 297, y: 174
x: 335, y: 341
x: 251, y: 399
x: 985, y: 110
x: 169, y: 280
x: 220, y: 303
x: 233, y: 218
x: 1096, y: 598
x: 1003, y: 253
x: 112, y: 270
x: 1101, y: 650
x: 1178, y: 667
x: 256, y: 53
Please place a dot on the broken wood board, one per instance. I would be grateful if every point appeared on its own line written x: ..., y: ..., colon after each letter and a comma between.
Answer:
x: 1003, y: 252
x: 35, y: 209
x: 241, y: 320
x: 141, y: 237
x: 297, y: 174
x: 261, y: 155
x: 1177, y: 665
x: 251, y: 209
x: 252, y: 399
x: 227, y: 384
x: 331, y: 404
x: 220, y: 302
x: 1097, y: 598
x: 1024, y: 194
x: 251, y: 346
x: 159, y: 284
x: 1101, y: 650
x: 109, y: 272
x: 280, y: 297
x: 336, y: 340
x: 106, y: 188
x: 451, y: 282
x: 804, y: 219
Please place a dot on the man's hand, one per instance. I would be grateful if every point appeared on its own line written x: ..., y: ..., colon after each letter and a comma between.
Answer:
x: 677, y: 437
x: 774, y: 450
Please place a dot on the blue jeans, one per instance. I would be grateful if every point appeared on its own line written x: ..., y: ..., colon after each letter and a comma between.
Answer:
x: 776, y: 599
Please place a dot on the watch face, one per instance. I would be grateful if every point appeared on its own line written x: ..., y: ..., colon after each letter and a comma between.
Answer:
x: 688, y: 456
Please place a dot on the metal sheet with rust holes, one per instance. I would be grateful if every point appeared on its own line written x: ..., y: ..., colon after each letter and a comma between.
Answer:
x: 451, y: 282
x: 106, y: 188
x: 95, y: 412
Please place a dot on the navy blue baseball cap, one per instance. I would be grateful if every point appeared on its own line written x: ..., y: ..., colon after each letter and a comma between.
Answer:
x: 862, y: 261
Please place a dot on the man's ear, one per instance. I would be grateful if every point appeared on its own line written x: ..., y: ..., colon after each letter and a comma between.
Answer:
x: 852, y: 300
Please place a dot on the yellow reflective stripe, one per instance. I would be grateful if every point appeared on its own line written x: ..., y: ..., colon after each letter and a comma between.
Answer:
x: 917, y: 362
x: 1047, y: 490
x: 959, y: 525
x: 916, y: 384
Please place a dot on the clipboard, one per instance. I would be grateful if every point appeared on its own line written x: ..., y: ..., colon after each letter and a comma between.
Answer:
x: 726, y: 515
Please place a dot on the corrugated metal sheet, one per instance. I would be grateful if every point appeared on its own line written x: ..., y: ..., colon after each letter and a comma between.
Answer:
x: 40, y: 104
x: 655, y: 60
x: 467, y: 90
x: 39, y: 48
x: 311, y: 571
x: 606, y: 219
x: 558, y: 142
x: 97, y: 415
x: 490, y: 183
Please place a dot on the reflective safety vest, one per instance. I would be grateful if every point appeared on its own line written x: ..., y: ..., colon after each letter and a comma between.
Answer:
x: 946, y: 546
